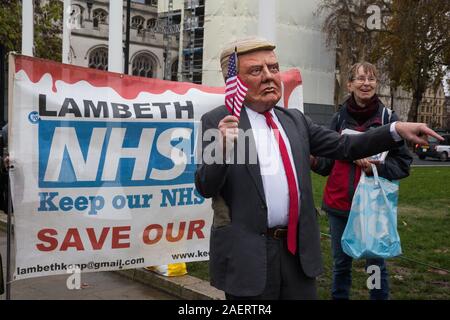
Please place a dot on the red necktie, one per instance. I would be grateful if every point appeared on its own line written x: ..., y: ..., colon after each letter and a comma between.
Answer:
x: 292, y: 185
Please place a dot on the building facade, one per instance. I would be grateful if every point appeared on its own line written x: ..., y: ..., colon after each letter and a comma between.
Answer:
x: 446, y: 85
x: 193, y: 41
x: 399, y: 100
x: 149, y: 49
x: 432, y: 109
x: 447, y: 114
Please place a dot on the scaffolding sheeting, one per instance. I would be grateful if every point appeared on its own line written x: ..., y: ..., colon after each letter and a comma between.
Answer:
x: 300, y: 42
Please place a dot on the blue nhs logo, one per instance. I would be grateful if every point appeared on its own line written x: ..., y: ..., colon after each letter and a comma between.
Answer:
x: 111, y: 154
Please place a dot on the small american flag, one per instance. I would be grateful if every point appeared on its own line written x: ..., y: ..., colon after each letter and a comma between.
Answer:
x: 235, y: 89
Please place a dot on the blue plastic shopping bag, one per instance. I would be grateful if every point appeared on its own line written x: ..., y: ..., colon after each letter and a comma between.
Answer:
x: 371, y: 230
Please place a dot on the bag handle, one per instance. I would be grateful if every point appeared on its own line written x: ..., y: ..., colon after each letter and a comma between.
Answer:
x: 375, y: 175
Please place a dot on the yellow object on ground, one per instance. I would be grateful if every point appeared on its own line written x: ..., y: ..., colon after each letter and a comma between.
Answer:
x: 170, y: 270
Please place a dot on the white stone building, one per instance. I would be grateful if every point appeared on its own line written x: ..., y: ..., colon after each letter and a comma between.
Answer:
x: 89, y: 38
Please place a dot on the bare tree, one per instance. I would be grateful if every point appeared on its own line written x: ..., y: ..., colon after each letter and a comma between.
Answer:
x: 348, y: 30
x: 416, y: 46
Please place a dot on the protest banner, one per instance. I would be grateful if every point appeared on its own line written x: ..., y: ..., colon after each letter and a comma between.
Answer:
x: 103, y: 167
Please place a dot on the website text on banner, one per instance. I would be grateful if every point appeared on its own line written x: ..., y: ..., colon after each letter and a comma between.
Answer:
x: 104, y: 165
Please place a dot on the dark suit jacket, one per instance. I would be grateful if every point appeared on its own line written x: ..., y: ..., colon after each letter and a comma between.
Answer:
x: 238, y: 249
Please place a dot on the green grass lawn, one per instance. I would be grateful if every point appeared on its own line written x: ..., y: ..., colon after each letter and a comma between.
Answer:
x: 424, y: 228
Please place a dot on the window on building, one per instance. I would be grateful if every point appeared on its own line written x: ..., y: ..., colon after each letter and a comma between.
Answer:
x: 76, y: 16
x: 151, y: 23
x: 137, y: 22
x: 98, y: 59
x: 144, y: 66
x: 99, y: 16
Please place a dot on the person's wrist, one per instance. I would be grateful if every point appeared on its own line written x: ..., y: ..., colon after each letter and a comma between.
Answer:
x: 394, y: 129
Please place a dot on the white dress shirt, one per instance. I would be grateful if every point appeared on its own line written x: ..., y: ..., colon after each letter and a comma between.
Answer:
x: 394, y: 133
x: 271, y: 166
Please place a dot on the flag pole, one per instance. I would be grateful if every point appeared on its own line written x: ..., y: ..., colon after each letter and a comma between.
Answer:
x: 6, y: 141
x: 237, y: 67
x: 8, y: 242
x: 27, y: 28
x: 66, y: 32
x: 115, y: 37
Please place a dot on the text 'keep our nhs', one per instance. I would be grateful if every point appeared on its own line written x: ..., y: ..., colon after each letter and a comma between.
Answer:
x: 83, y: 145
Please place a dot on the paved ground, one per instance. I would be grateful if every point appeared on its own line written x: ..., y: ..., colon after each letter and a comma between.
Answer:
x: 95, y: 286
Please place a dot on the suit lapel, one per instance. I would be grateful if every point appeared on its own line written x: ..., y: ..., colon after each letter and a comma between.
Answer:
x: 294, y: 138
x: 253, y: 169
